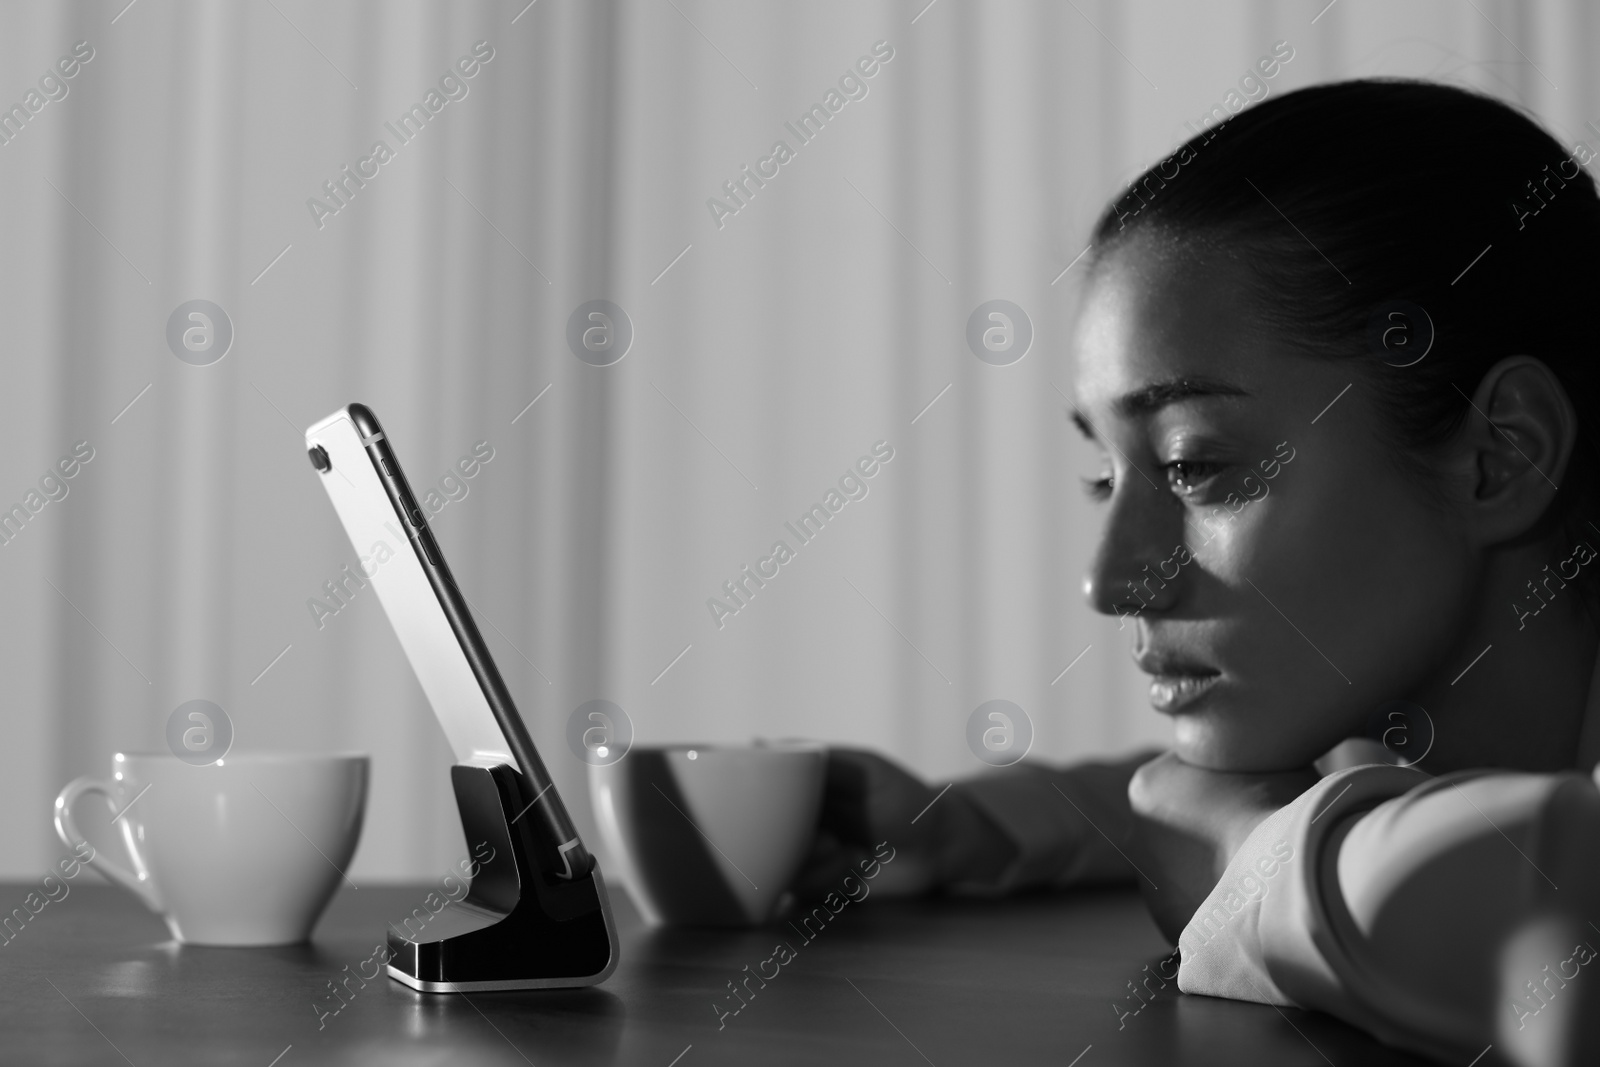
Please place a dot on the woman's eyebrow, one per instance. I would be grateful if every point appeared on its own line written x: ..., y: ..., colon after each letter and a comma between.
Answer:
x: 1152, y: 398
x: 1149, y: 399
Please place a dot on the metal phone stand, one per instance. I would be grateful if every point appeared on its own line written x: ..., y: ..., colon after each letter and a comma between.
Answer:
x: 519, y: 926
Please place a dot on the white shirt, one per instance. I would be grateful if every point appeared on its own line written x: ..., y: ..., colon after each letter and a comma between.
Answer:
x: 1442, y: 915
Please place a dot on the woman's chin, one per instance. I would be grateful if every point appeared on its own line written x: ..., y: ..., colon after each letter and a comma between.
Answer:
x: 1219, y: 741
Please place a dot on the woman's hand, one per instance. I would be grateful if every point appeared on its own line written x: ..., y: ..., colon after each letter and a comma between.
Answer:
x: 1188, y: 823
x: 868, y: 801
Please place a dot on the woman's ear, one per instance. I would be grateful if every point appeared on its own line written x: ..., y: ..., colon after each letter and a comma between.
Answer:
x: 1514, y: 448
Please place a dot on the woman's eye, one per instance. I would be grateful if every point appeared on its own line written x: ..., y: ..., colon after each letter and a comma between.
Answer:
x: 1185, y: 476
x: 1099, y: 488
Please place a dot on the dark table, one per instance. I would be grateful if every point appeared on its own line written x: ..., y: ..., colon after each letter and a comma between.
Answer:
x: 95, y: 979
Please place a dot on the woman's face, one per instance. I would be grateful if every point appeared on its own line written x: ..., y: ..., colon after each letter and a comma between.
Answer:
x: 1281, y: 575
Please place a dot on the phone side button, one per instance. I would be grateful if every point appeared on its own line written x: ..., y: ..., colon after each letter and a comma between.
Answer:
x: 429, y: 549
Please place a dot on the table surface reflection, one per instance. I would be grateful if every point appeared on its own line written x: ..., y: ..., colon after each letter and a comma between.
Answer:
x: 94, y: 978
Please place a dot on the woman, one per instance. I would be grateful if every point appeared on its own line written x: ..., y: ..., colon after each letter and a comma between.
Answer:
x: 1339, y: 356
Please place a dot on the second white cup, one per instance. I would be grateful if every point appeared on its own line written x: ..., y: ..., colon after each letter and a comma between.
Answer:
x: 709, y: 835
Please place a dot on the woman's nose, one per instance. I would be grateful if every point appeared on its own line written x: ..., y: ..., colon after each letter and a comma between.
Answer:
x: 1134, y: 568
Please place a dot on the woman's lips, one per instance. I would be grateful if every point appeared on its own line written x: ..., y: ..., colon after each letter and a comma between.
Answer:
x: 1172, y: 693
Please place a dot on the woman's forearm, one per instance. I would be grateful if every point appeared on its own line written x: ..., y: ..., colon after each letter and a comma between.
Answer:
x: 1033, y: 826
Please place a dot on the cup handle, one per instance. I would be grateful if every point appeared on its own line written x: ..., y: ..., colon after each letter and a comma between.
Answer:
x: 67, y: 830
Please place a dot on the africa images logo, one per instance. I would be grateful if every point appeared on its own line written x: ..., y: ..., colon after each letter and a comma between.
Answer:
x: 453, y: 86
x: 199, y: 732
x: 808, y: 127
x: 199, y: 332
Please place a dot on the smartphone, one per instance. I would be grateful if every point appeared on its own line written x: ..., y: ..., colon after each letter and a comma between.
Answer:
x: 433, y: 620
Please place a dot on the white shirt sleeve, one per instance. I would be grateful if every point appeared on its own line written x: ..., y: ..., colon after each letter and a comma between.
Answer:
x: 1441, y: 915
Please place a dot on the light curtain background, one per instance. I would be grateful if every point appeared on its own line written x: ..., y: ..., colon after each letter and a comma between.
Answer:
x: 768, y: 355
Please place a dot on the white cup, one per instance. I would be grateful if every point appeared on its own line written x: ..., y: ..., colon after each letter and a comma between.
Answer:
x: 709, y: 835
x: 245, y: 851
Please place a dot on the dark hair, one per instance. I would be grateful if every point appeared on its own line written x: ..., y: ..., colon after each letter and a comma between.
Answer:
x: 1349, y: 197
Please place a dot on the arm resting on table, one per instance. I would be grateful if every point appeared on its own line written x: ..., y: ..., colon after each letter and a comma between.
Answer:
x: 1441, y: 915
x: 1063, y: 826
